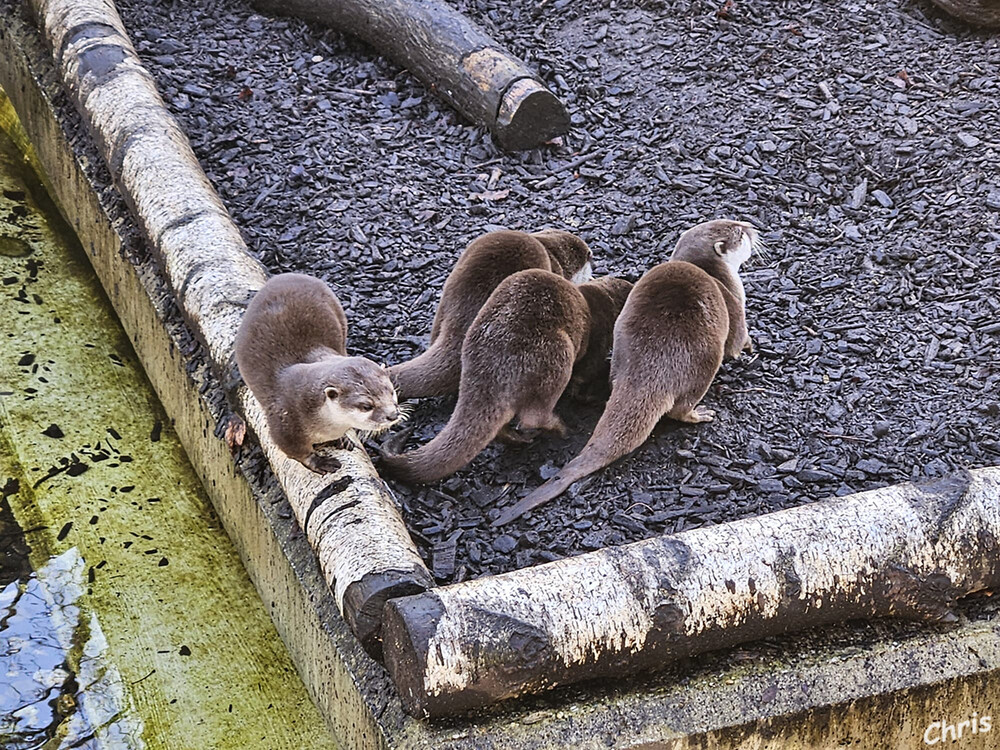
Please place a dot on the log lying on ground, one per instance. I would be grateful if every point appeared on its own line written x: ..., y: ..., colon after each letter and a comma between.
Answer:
x: 976, y: 12
x: 904, y: 551
x: 350, y: 520
x: 452, y: 56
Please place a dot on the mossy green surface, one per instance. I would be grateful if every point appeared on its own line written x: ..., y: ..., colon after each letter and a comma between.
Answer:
x: 103, y: 485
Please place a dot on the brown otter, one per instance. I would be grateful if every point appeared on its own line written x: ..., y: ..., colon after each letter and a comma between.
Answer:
x: 517, y: 359
x: 487, y: 261
x: 605, y: 298
x: 681, y: 318
x: 291, y: 352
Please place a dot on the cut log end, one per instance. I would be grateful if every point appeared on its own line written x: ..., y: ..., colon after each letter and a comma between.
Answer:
x: 529, y: 115
x: 985, y: 13
x: 406, y: 649
x: 513, y: 653
x: 365, y: 600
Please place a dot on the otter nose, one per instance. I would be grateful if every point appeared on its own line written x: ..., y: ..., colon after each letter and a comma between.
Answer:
x: 392, y: 416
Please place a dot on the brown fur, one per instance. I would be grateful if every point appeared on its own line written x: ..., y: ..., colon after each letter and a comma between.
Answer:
x: 517, y: 359
x: 291, y: 352
x: 486, y: 262
x: 605, y: 298
x: 693, y: 247
x: 567, y: 252
x: 680, y: 320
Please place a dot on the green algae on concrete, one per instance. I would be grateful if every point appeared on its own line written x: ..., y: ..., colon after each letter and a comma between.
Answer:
x: 145, y: 593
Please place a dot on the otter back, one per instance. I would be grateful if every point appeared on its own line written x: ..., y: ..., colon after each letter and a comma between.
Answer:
x: 484, y: 264
x: 517, y: 359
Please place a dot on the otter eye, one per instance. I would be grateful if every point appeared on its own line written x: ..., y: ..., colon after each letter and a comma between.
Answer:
x: 720, y: 247
x: 367, y: 407
x: 331, y: 393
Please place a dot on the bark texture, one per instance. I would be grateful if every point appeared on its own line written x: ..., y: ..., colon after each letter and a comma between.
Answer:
x: 349, y: 518
x: 903, y: 551
x: 453, y: 57
x: 975, y: 12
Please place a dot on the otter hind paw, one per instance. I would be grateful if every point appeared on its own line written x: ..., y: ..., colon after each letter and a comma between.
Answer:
x: 514, y: 436
x: 698, y: 414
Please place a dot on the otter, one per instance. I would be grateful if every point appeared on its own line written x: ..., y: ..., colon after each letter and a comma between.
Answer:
x: 591, y: 376
x: 291, y: 352
x: 536, y: 333
x: 680, y: 320
x: 487, y: 261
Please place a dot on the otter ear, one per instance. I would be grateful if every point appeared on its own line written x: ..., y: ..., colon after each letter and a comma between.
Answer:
x: 331, y: 392
x: 720, y: 248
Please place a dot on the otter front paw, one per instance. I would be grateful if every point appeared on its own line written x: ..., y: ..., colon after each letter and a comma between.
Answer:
x: 321, y: 463
x: 234, y: 431
x: 748, y: 345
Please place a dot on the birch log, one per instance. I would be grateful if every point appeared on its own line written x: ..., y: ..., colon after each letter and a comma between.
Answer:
x: 350, y: 520
x: 976, y: 12
x: 903, y: 551
x: 453, y: 57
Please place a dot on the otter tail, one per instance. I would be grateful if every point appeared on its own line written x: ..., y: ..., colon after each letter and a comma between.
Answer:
x: 435, y: 372
x: 623, y: 427
x: 470, y: 429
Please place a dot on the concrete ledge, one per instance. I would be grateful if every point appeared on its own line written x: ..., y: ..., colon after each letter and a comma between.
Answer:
x: 871, y: 685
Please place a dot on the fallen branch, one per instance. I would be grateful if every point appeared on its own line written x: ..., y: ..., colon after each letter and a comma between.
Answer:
x: 453, y: 57
x: 350, y: 520
x: 903, y: 551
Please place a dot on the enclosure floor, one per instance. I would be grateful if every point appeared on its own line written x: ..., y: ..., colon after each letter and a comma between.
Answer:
x: 126, y: 617
x: 861, y: 138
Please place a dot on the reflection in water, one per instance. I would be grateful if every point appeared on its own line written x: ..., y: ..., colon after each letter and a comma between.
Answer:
x: 56, y: 688
x: 14, y: 549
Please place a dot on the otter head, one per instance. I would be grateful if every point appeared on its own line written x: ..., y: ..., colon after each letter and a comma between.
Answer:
x: 358, y: 393
x: 733, y: 242
x: 329, y: 397
x: 571, y: 258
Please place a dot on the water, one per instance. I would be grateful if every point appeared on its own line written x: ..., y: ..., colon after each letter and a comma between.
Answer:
x: 53, y: 660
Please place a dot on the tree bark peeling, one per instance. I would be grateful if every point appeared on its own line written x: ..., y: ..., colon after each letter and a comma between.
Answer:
x: 904, y: 551
x: 452, y: 56
x: 349, y: 518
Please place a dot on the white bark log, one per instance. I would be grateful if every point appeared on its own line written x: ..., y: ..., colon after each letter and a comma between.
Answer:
x: 362, y: 545
x: 903, y: 551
